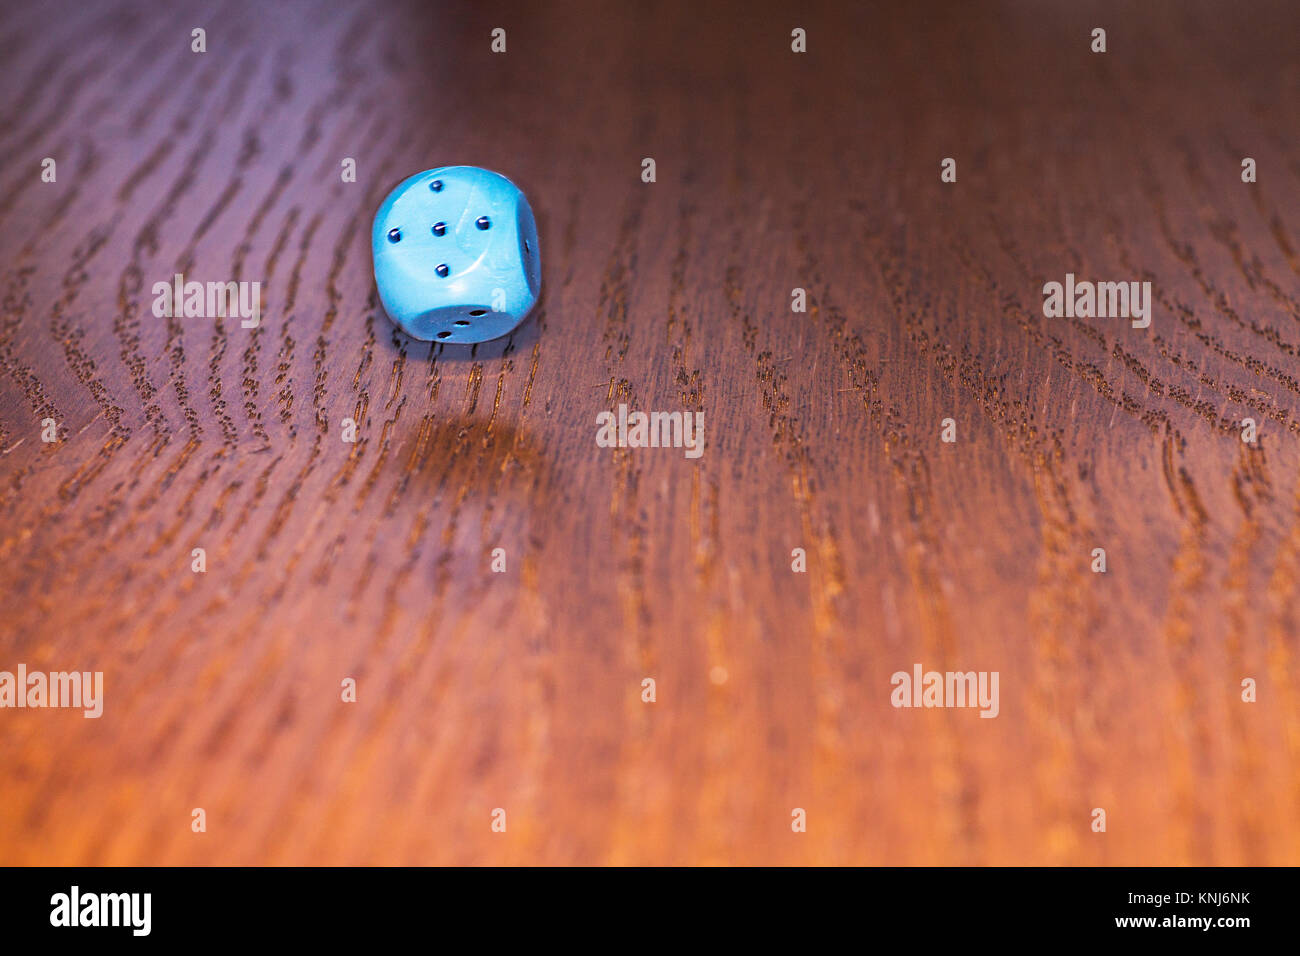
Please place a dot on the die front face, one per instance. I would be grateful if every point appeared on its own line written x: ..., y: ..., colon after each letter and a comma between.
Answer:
x: 456, y: 257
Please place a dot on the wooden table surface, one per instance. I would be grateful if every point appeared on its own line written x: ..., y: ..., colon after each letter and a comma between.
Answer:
x: 523, y: 690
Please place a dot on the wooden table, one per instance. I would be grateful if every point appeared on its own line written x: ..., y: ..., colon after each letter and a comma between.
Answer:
x: 522, y: 690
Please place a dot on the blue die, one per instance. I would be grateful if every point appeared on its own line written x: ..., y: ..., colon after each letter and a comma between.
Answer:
x: 456, y: 257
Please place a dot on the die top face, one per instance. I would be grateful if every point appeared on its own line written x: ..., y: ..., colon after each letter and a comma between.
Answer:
x: 455, y: 254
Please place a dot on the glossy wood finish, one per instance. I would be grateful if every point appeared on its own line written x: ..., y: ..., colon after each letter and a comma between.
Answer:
x: 522, y: 690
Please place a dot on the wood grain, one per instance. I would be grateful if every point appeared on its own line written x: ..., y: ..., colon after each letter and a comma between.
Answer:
x: 522, y: 690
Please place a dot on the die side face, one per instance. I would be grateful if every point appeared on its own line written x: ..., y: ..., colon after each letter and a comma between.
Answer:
x: 455, y: 253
